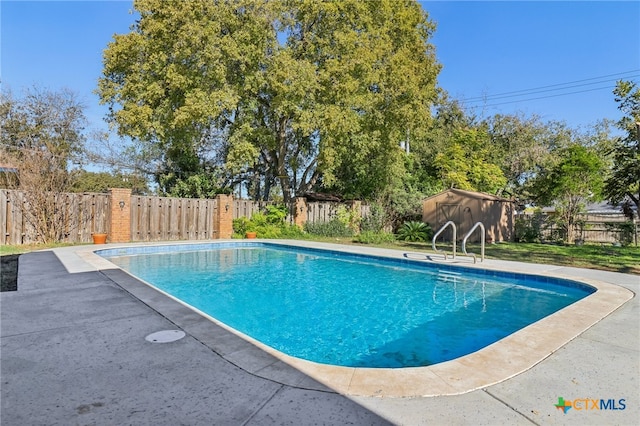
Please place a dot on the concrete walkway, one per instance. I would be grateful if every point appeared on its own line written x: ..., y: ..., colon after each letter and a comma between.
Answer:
x: 73, y: 351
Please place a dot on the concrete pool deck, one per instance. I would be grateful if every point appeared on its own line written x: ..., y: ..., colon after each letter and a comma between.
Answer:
x: 73, y: 352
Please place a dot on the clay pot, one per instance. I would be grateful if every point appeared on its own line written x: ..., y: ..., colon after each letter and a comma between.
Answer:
x: 251, y: 235
x: 99, y: 238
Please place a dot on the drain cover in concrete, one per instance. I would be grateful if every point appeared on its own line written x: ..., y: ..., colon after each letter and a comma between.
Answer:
x: 165, y: 336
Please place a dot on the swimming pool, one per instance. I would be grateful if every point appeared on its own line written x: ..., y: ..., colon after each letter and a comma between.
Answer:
x: 347, y: 309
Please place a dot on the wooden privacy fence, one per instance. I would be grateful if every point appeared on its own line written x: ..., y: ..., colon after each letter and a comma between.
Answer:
x: 601, y: 232
x: 125, y: 217
x: 164, y: 218
x: 76, y: 216
x: 311, y: 211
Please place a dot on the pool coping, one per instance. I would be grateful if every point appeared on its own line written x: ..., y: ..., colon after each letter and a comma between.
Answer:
x: 493, y: 364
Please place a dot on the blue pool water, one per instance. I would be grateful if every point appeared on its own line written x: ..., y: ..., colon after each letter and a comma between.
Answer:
x: 349, y: 310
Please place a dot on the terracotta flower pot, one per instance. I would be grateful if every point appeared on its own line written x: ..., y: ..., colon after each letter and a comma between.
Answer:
x: 99, y: 238
x: 251, y: 234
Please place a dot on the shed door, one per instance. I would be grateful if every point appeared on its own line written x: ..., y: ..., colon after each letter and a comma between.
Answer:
x: 445, y: 213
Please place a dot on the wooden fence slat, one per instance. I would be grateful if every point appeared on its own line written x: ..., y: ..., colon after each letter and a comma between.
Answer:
x: 135, y: 218
x: 202, y: 229
x: 3, y: 216
x: 174, y: 219
x: 154, y: 219
x: 192, y: 217
x: 182, y: 223
x: 16, y: 215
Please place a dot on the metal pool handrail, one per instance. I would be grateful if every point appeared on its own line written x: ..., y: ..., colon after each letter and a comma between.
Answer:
x: 433, y: 242
x: 466, y: 237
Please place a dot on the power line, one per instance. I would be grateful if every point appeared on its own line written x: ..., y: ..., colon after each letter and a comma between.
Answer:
x: 540, y: 89
x: 545, y: 97
x: 496, y: 97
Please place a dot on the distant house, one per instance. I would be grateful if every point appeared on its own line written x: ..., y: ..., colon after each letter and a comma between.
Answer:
x: 600, y: 223
x: 465, y: 208
x: 596, y: 212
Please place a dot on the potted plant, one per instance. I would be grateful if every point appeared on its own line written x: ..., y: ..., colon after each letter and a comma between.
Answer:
x: 251, y: 234
x: 99, y: 238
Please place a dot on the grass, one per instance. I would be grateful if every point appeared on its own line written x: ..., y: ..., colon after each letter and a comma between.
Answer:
x: 25, y: 248
x: 592, y: 256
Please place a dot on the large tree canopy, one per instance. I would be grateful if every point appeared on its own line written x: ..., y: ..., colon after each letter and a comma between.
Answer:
x: 625, y: 176
x: 574, y: 180
x: 295, y: 93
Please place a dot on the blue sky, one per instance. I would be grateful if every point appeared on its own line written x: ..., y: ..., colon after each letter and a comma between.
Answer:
x: 486, y: 48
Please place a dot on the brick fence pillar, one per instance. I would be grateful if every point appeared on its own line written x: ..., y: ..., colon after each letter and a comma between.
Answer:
x: 224, y: 216
x: 300, y: 214
x: 120, y: 215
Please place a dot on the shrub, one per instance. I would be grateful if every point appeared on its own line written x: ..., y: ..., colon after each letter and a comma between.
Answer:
x: 241, y: 225
x: 276, y: 213
x: 375, y: 220
x: 270, y: 224
x: 624, y: 231
x: 333, y: 228
x: 415, y: 231
x: 528, y: 228
x: 372, y: 237
x: 349, y: 218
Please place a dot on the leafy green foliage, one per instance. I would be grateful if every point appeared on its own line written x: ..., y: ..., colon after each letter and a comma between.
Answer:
x: 267, y: 225
x: 276, y: 213
x: 625, y: 176
x: 569, y: 184
x: 466, y: 163
x: 349, y: 217
x: 199, y: 185
x: 415, y: 232
x: 83, y: 181
x: 298, y: 93
x: 372, y: 237
x: 375, y: 220
x: 528, y: 228
x: 625, y: 231
x: 333, y: 228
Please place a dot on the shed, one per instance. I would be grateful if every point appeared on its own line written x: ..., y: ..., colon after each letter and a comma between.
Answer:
x: 465, y: 208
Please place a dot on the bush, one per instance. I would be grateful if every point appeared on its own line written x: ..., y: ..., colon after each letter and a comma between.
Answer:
x: 241, y: 225
x: 528, y: 228
x: 625, y: 231
x: 276, y: 213
x: 349, y: 217
x: 332, y: 229
x: 270, y: 224
x: 372, y: 237
x: 375, y: 220
x: 415, y: 231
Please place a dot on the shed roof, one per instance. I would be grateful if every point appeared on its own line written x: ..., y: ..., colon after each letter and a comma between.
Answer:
x: 471, y: 194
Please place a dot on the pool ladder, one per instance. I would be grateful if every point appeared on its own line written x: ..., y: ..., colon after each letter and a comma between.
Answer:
x: 464, y: 240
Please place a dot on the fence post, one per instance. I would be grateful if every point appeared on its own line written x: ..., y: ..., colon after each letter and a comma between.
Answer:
x: 300, y: 213
x: 224, y: 216
x: 119, y: 215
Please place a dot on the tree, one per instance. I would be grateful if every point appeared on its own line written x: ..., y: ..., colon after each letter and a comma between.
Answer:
x: 42, y: 135
x: 624, y: 180
x: 301, y: 93
x: 569, y: 184
x: 465, y: 163
x: 84, y: 181
x: 521, y: 146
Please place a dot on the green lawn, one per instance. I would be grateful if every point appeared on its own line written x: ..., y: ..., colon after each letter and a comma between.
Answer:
x: 605, y: 257
x: 25, y: 248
